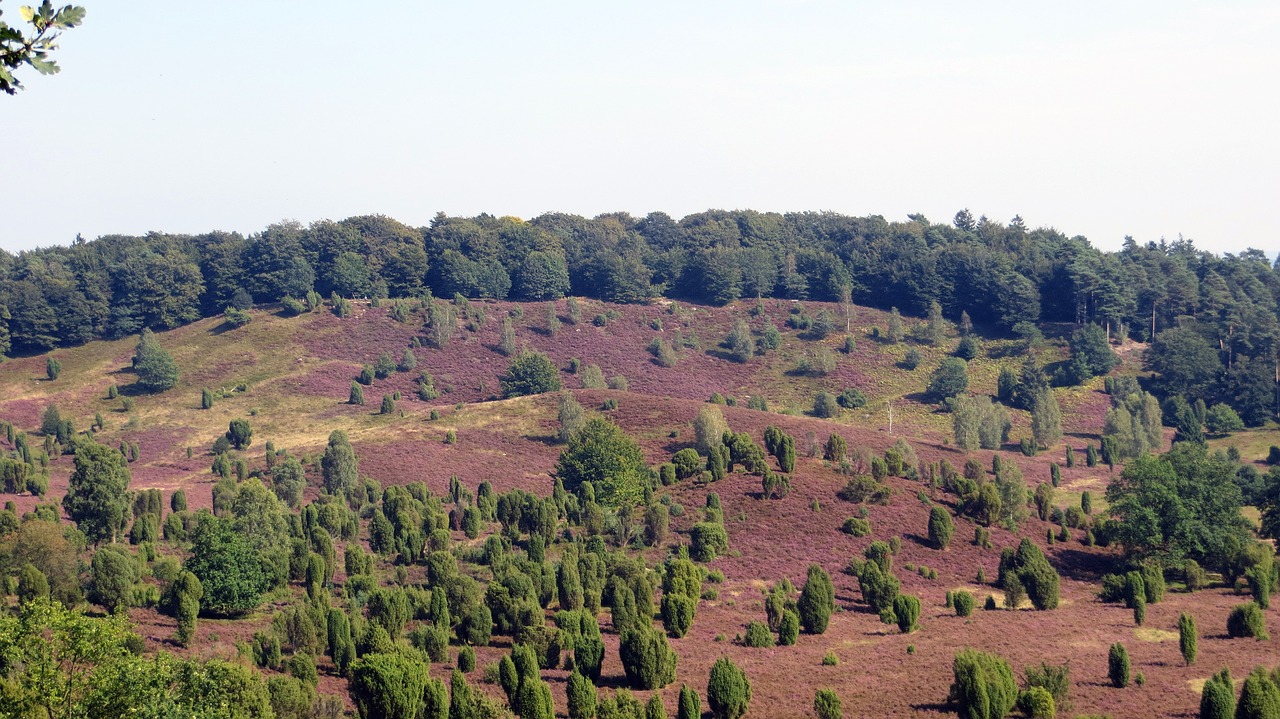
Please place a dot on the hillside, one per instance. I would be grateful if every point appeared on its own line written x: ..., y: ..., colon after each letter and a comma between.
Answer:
x: 290, y: 377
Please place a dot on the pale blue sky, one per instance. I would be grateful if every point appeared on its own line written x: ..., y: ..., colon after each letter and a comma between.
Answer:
x: 1098, y: 118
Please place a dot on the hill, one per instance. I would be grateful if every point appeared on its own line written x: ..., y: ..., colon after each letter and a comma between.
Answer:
x: 290, y: 377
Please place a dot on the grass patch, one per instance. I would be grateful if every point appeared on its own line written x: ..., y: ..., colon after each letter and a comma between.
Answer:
x: 1147, y: 634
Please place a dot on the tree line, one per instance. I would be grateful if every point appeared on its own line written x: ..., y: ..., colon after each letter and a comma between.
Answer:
x: 998, y: 273
x: 1221, y: 309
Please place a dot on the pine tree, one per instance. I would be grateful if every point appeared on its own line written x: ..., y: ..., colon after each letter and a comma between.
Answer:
x: 728, y: 690
x: 690, y: 706
x: 1259, y: 697
x: 1218, y: 698
x: 1187, y: 637
x: 940, y: 527
x: 582, y: 698
x: 357, y: 394
x: 817, y: 601
x: 1118, y: 666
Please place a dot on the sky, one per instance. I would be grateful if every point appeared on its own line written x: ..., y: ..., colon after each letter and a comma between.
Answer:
x: 1102, y: 119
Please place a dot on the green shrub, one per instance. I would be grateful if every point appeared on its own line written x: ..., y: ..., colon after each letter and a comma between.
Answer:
x: 1014, y: 591
x: 827, y: 705
x: 879, y: 589
x: 1118, y: 666
x: 817, y: 601
x: 239, y: 433
x: 689, y: 706
x: 530, y: 373
x: 963, y: 602
x: 1246, y: 620
x: 907, y: 610
x: 1053, y: 678
x: 728, y: 690
x: 707, y: 541
x: 1187, y: 637
x: 1218, y: 698
x: 1034, y: 572
x: 830, y: 659
x: 1037, y: 703
x: 826, y: 405
x: 1194, y: 575
x: 581, y: 697
x: 647, y: 658
x: 757, y: 635
x: 1153, y: 582
x: 788, y: 628
x: 388, y: 685
x: 678, y: 612
x: 984, y: 687
x: 856, y: 527
x: 467, y: 660
x: 940, y: 527
x: 1259, y: 697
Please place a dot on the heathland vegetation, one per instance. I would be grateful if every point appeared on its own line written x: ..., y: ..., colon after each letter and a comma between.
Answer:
x: 757, y: 464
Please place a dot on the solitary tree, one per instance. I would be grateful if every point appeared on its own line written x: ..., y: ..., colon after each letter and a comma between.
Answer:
x: 950, y: 379
x: 153, y: 365
x: 601, y: 453
x: 228, y: 567
x: 984, y: 686
x: 826, y: 704
x: 184, y: 597
x: 1046, y: 419
x: 709, y: 428
x: 1259, y: 697
x: 1118, y: 666
x: 1187, y: 637
x: 530, y: 373
x: 97, y: 497
x: 1218, y: 698
x: 112, y: 575
x: 647, y: 657
x: 571, y: 416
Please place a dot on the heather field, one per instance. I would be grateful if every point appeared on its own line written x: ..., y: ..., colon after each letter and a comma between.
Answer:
x: 290, y: 378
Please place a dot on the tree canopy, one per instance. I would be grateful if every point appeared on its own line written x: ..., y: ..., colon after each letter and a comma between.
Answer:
x: 602, y: 454
x: 228, y: 566
x: 530, y: 373
x: 154, y: 365
x: 97, y: 498
x: 33, y: 48
x: 1184, y: 504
